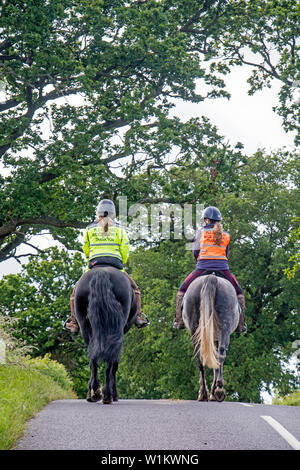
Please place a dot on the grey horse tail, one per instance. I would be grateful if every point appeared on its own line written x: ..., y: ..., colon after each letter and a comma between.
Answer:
x: 106, y: 319
x: 206, y: 333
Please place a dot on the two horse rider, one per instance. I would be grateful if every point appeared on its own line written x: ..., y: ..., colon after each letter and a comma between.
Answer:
x: 106, y: 243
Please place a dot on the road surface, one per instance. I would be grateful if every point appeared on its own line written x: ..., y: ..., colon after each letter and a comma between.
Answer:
x: 162, y: 425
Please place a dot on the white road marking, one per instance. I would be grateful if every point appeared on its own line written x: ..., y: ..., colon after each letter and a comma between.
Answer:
x: 291, y: 440
x: 246, y: 404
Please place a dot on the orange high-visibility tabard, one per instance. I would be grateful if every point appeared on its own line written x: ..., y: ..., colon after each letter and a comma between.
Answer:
x: 209, y: 248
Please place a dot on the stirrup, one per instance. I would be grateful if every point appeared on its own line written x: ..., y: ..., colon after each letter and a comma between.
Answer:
x: 178, y: 325
x: 65, y: 328
x: 143, y: 325
x: 241, y: 329
x: 65, y: 324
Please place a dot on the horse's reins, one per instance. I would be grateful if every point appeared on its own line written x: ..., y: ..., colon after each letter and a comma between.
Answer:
x: 160, y: 301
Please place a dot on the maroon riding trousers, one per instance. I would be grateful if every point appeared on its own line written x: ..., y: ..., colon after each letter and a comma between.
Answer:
x: 227, y: 274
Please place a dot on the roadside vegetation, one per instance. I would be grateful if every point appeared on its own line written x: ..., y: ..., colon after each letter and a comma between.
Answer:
x: 293, y: 399
x: 26, y: 386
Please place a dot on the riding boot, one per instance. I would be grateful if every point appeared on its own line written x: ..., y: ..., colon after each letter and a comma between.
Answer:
x: 72, y: 325
x: 242, y: 327
x: 141, y: 319
x: 178, y: 322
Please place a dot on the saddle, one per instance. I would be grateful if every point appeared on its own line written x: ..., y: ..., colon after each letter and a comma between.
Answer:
x: 105, y: 261
x: 206, y: 273
x: 216, y: 273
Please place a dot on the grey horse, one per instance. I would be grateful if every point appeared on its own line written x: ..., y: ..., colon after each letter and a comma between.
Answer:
x: 211, y: 314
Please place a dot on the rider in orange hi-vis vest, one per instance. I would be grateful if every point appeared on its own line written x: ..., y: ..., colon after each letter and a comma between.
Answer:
x: 208, y: 247
x: 211, y: 246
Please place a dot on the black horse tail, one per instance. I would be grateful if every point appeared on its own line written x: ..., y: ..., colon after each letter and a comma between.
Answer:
x: 206, y: 333
x: 106, y: 319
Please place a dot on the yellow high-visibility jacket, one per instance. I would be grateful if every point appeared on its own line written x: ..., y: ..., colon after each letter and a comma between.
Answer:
x: 112, y: 244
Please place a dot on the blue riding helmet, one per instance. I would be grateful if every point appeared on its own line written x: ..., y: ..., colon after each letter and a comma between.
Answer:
x: 212, y: 213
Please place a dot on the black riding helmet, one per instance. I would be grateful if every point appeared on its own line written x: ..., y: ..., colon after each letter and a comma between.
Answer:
x: 212, y: 213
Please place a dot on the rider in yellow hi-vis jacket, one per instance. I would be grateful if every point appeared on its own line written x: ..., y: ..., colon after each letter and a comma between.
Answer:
x: 113, y: 243
x: 106, y: 244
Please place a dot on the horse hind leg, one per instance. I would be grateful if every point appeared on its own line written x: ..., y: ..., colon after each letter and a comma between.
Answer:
x: 94, y: 392
x: 213, y: 387
x: 114, y: 388
x: 107, y: 398
x: 110, y: 393
x: 217, y: 390
x: 203, y: 391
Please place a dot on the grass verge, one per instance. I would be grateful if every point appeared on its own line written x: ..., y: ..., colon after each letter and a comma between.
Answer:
x: 25, y: 388
x: 292, y: 399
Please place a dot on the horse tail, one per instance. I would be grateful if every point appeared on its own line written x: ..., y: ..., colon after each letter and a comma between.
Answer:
x: 106, y: 318
x: 206, y: 332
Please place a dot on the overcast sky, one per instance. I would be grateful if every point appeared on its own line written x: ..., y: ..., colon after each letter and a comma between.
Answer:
x: 244, y: 118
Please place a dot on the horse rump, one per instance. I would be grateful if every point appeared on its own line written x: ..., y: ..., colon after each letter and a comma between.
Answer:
x: 106, y: 319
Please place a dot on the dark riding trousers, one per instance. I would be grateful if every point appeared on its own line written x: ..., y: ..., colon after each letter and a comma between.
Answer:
x: 199, y: 272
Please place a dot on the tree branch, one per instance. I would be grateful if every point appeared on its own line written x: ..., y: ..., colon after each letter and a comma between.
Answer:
x: 196, y: 17
x: 9, y: 249
x: 11, y: 103
x: 42, y: 220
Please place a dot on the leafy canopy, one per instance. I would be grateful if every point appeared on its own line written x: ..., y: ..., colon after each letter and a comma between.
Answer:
x: 89, y: 87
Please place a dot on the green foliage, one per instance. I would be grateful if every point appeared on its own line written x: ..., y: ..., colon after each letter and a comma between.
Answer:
x: 89, y: 87
x: 26, y: 385
x: 294, y: 261
x: 52, y: 369
x: 293, y: 399
x: 25, y: 388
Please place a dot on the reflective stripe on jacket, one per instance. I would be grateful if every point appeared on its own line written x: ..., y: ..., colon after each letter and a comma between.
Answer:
x: 208, y: 246
x: 113, y: 243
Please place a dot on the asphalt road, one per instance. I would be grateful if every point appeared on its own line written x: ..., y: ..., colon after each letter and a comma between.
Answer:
x: 162, y: 425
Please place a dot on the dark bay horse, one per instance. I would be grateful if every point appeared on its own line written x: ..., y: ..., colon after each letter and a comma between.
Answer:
x: 105, y: 308
x: 211, y: 314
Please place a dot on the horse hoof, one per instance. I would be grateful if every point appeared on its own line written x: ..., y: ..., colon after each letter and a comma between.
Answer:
x: 219, y: 394
x: 97, y: 396
x: 202, y: 397
x: 107, y: 401
x: 93, y: 397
